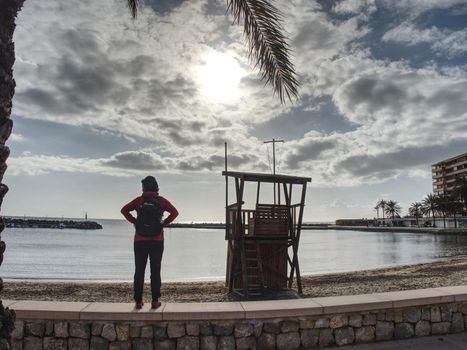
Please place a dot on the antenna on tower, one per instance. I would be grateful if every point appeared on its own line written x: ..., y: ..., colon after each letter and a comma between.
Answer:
x: 274, y: 141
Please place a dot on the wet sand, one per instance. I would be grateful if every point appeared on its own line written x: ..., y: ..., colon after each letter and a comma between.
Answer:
x: 436, y: 274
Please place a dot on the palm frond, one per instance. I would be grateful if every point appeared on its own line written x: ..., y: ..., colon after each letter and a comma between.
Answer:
x: 133, y: 6
x: 268, y: 47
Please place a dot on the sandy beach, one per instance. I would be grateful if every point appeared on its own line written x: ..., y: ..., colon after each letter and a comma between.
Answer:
x: 436, y: 274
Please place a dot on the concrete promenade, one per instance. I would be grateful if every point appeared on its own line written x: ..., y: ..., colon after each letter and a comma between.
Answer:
x: 444, y: 342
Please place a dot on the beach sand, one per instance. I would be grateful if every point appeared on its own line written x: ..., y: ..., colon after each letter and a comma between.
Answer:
x: 436, y: 274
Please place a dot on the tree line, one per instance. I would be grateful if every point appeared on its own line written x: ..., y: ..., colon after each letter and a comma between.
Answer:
x: 441, y: 205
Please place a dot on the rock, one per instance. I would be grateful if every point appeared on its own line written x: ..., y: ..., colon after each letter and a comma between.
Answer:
x: 160, y: 332
x: 142, y: 344
x: 381, y: 316
x: 325, y: 337
x: 289, y: 326
x: 35, y: 328
x: 247, y: 343
x: 412, y: 315
x: 98, y: 343
x: 208, y: 342
x: 369, y: 320
x: 223, y: 328
x: 355, y: 320
x: 272, y: 327
x: 344, y: 336
x: 435, y: 314
x: 257, y: 328
x: 422, y: 328
x: 440, y: 328
x: 398, y: 316
x: 322, y: 323
x: 365, y: 334
x: 123, y: 331
x: 243, y: 330
x: 96, y: 328
x: 338, y: 321
x: 147, y: 332
x: 390, y: 315
x: 167, y: 344
x: 307, y: 324
x: 135, y: 330
x: 175, y: 330
x: 309, y: 337
x: 384, y: 330
x: 32, y: 343
x: 446, y: 312
x: 18, y: 345
x: 61, y: 329
x: 192, y: 329
x: 457, y: 322
x: 288, y: 341
x: 188, y: 343
x: 79, y: 330
x: 120, y: 345
x: 226, y: 343
x: 108, y: 332
x: 205, y: 328
x: 463, y: 309
x: 18, y: 332
x: 426, y: 314
x: 267, y: 341
x: 49, y: 328
x: 403, y: 330
x: 78, y: 344
x: 51, y: 343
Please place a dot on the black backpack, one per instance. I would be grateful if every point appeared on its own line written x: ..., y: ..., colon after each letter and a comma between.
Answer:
x: 148, y: 222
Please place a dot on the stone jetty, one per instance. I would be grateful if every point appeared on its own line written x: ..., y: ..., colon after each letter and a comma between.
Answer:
x: 51, y: 223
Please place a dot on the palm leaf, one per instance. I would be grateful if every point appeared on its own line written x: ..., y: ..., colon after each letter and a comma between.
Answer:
x: 133, y: 6
x: 268, y: 47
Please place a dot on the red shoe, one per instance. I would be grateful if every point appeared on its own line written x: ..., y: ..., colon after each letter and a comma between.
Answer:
x: 139, y: 304
x: 155, y: 304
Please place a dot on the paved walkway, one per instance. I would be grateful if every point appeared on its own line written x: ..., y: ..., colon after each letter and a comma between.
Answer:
x: 440, y: 342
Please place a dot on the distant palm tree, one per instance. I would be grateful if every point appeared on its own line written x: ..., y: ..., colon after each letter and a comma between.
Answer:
x: 443, y: 201
x: 430, y: 205
x: 392, y: 209
x: 416, y: 211
x: 268, y: 47
x: 453, y: 208
x: 377, y: 211
x: 382, y: 204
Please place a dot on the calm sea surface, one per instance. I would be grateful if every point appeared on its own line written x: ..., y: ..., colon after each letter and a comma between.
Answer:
x: 200, y: 254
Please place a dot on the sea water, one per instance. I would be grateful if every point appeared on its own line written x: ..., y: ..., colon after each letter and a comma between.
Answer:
x: 200, y: 254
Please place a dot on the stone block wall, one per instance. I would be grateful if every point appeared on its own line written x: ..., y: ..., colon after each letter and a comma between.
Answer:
x: 262, y: 334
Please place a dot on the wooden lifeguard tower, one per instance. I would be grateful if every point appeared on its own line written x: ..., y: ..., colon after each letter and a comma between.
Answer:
x: 263, y: 241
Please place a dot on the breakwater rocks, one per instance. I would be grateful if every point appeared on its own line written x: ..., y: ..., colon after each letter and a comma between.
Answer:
x: 56, y: 224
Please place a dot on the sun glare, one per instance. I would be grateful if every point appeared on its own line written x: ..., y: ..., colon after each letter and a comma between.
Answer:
x: 219, y: 77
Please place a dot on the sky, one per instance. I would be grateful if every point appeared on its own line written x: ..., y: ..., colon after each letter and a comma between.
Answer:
x: 103, y: 100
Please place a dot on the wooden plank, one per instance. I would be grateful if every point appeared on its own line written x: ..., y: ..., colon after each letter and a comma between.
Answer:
x: 255, y: 177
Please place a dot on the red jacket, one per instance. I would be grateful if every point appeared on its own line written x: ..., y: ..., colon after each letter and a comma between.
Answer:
x: 136, y: 203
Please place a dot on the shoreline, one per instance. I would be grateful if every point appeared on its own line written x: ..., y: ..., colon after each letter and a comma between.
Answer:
x: 222, y: 278
x: 440, y: 273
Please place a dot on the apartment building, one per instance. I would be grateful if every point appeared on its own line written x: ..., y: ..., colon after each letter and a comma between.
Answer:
x: 444, y: 173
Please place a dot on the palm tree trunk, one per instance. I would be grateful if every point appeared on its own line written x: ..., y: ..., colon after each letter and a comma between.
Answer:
x: 433, y: 213
x: 8, y: 13
x: 416, y: 218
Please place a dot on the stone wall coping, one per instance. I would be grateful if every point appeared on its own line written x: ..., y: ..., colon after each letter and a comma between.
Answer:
x: 236, y: 310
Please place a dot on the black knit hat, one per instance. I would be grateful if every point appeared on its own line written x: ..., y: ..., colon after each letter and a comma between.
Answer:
x: 150, y: 184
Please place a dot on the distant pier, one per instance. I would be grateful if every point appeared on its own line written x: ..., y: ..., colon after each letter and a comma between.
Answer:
x: 51, y: 223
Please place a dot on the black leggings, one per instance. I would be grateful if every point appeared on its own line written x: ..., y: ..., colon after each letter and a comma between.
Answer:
x: 154, y: 250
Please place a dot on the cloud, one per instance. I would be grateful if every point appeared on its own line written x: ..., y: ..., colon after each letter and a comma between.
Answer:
x: 442, y: 41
